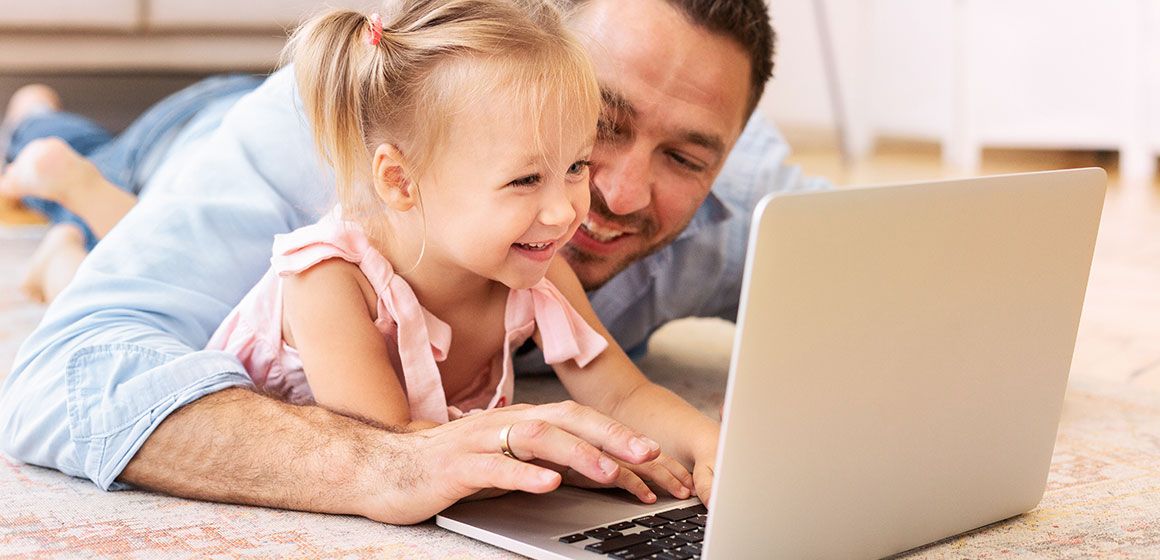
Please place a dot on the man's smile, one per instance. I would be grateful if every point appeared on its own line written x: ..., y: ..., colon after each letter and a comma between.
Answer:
x: 602, y: 230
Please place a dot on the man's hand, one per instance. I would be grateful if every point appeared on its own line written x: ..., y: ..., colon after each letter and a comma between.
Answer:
x: 664, y: 472
x: 460, y: 458
x: 236, y: 446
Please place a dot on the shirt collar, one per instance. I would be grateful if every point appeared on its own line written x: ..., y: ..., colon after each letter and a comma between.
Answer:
x: 712, y: 211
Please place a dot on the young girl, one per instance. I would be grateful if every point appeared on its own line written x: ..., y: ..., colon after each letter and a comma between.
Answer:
x: 459, y: 132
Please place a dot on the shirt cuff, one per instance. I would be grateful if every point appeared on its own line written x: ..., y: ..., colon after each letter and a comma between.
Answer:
x: 119, y: 393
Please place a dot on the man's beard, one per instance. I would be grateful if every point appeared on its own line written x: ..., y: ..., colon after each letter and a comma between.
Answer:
x: 641, y: 222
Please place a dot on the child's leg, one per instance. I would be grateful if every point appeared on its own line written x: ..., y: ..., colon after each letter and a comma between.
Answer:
x: 55, y: 262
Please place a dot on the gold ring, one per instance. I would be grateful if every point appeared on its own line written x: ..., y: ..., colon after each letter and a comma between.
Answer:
x: 504, y: 444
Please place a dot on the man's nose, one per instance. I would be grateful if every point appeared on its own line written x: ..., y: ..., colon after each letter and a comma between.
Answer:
x: 624, y: 180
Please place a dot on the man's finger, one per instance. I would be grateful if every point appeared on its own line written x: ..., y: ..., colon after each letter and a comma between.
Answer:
x: 661, y: 474
x: 635, y: 485
x: 541, y: 440
x: 615, y: 438
x: 480, y: 471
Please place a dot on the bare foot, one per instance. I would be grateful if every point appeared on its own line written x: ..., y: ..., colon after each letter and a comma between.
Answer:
x: 54, y: 263
x: 48, y: 168
x: 30, y: 100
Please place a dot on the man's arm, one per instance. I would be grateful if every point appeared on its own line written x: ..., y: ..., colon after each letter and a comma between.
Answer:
x: 270, y: 453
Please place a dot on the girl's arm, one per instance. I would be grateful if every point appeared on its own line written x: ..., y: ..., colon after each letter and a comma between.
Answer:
x: 612, y: 384
x: 329, y: 314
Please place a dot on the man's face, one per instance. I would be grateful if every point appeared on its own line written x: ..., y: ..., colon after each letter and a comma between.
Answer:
x: 675, y: 102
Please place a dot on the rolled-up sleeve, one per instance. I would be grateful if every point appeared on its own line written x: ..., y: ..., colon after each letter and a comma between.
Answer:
x: 122, y: 346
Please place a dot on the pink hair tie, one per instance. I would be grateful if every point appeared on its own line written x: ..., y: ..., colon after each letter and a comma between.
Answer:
x: 376, y: 30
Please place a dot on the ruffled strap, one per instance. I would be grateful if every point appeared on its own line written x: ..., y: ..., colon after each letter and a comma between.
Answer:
x: 307, y: 246
x: 423, y: 338
x: 564, y: 334
x: 423, y: 341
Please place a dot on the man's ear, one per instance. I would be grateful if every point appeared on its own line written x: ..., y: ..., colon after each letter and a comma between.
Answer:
x: 391, y: 182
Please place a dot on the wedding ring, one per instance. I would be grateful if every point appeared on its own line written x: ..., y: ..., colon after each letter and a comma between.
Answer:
x: 504, y: 444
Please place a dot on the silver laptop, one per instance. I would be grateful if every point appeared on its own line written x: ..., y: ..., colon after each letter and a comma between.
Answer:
x: 897, y: 378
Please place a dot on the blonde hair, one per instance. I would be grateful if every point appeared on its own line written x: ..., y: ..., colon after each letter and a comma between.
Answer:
x: 432, y: 56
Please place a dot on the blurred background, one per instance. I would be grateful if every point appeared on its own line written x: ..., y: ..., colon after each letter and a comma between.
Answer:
x: 951, y: 80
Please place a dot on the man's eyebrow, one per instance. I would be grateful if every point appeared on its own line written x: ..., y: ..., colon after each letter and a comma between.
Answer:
x: 710, y: 142
x: 615, y: 102
x: 619, y: 105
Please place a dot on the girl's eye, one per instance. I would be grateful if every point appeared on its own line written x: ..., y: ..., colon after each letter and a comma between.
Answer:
x: 526, y: 181
x: 579, y: 167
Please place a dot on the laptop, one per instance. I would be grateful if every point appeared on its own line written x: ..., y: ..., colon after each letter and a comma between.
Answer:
x: 897, y: 378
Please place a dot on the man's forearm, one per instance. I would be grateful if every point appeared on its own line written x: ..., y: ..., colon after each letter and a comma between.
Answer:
x: 237, y: 446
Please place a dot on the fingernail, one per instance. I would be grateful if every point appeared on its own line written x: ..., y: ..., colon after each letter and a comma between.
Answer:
x: 643, y: 445
x: 547, y: 477
x: 608, y: 466
x: 652, y: 497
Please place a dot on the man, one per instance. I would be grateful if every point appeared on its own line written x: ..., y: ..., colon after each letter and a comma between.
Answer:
x: 112, y: 385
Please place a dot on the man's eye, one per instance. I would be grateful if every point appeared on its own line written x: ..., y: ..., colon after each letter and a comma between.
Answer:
x: 579, y: 167
x: 686, y: 162
x: 526, y: 181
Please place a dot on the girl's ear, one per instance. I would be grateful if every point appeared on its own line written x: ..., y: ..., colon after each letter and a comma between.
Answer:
x: 390, y: 178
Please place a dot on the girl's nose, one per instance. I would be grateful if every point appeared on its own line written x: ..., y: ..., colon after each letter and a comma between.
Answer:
x: 558, y: 208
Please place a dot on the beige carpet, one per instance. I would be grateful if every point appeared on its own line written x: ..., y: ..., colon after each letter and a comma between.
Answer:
x: 1102, y: 501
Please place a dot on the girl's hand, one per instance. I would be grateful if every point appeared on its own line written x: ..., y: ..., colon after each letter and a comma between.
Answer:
x: 664, y: 472
x: 705, y: 463
x: 703, y: 472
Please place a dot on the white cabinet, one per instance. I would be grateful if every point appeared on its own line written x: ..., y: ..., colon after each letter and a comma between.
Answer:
x: 103, y: 15
x: 180, y: 36
x: 1061, y: 74
x: 250, y: 14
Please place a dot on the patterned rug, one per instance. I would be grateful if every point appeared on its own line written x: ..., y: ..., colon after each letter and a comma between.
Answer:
x: 1102, y: 500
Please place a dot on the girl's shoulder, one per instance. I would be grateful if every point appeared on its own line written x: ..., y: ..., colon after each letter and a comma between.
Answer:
x: 328, y: 238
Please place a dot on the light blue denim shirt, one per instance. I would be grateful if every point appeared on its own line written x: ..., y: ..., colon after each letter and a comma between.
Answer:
x: 121, y: 348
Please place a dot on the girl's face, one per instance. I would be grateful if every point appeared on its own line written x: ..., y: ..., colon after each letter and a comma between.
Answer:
x: 505, y: 192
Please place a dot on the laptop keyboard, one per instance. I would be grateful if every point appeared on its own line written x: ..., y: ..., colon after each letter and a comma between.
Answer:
x: 675, y: 534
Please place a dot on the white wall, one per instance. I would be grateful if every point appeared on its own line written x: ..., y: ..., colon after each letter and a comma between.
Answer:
x: 1068, y: 74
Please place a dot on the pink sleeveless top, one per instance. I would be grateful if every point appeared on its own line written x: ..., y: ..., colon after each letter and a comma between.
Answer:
x: 418, y: 339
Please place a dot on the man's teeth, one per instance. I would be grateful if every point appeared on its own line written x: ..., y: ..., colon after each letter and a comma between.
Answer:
x: 599, y: 233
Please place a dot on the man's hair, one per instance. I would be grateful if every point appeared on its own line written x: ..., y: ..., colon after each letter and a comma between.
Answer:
x: 746, y: 22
